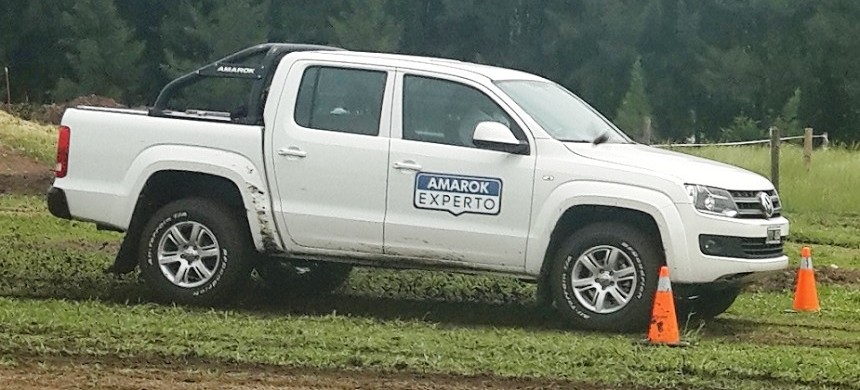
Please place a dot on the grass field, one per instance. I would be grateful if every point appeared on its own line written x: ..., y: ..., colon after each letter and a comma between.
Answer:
x: 31, y: 139
x: 55, y: 301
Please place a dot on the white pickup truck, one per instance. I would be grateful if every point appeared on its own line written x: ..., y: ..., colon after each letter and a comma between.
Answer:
x: 302, y: 161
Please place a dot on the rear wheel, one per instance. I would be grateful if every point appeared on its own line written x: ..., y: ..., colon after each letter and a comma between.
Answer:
x: 604, y: 277
x: 301, y: 277
x: 195, y: 251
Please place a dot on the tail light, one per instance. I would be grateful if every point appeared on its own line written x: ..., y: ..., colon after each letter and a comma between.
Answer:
x: 62, y: 167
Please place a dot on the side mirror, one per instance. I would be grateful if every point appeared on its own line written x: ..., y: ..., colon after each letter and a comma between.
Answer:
x: 496, y: 136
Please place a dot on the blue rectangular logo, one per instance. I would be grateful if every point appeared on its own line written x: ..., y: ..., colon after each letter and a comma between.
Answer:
x: 458, y: 194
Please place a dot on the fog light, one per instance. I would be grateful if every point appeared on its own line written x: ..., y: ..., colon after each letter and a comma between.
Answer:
x: 722, y: 246
x: 711, y: 246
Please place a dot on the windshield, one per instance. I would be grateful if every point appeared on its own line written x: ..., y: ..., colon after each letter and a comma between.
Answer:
x: 561, y: 113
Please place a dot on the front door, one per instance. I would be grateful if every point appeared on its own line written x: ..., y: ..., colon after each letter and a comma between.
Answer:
x: 330, y: 155
x: 447, y: 199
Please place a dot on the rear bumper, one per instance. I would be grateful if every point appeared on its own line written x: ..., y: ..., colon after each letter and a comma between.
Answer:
x: 57, y: 203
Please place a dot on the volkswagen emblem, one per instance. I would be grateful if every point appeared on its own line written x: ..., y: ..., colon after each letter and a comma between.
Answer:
x: 766, y: 204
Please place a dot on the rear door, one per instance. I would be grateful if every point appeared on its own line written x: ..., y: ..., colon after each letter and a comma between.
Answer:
x: 330, y: 150
x: 447, y: 199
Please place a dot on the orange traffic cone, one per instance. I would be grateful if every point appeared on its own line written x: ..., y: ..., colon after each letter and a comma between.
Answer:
x: 805, y: 293
x: 664, y: 323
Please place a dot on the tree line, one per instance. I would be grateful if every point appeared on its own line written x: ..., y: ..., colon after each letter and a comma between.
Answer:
x: 722, y: 69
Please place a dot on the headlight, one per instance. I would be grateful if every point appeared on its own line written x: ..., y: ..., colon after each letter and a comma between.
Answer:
x: 712, y: 200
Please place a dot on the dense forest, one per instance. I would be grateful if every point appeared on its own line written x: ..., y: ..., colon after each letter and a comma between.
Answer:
x: 725, y: 69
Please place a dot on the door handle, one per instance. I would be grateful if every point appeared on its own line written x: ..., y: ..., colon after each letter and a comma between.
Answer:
x: 293, y: 151
x: 407, y: 165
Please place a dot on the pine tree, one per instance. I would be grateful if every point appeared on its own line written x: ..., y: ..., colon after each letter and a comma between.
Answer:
x: 788, y: 121
x: 102, y: 53
x: 743, y: 128
x: 367, y: 26
x: 144, y: 16
x: 302, y: 21
x: 29, y: 35
x: 204, y: 31
x: 635, y: 113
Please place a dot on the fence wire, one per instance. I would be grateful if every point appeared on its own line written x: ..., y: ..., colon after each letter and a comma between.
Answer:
x: 755, y: 142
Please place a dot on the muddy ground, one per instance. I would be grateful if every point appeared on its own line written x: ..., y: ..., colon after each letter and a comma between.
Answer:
x: 786, y: 280
x: 22, y: 175
x: 72, y: 372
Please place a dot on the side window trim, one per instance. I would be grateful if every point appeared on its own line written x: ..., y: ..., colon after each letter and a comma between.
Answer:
x: 400, y: 90
x: 315, y: 93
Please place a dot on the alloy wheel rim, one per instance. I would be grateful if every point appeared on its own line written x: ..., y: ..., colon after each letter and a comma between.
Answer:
x: 188, y: 254
x: 603, y: 279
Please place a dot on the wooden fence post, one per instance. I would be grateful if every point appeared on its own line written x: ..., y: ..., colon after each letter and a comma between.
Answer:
x: 807, y: 147
x: 8, y: 89
x: 774, y: 156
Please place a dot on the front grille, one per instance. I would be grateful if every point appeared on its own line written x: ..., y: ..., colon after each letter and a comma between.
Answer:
x: 750, y: 207
x: 756, y: 248
x: 739, y: 247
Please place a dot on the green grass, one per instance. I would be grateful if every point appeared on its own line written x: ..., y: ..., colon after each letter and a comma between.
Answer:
x: 826, y: 229
x: 826, y: 255
x: 32, y: 139
x: 788, y: 351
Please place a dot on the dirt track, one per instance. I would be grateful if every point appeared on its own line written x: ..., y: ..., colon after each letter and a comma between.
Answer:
x: 21, y: 175
x: 115, y: 373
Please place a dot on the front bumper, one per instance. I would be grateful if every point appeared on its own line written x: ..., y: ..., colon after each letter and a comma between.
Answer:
x: 708, y: 268
x: 57, y: 203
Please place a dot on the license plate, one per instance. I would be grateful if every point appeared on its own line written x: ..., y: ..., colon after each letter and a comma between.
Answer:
x: 773, y: 235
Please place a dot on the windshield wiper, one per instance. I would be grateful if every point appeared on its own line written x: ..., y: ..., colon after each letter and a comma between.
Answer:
x: 597, y: 141
x: 602, y: 138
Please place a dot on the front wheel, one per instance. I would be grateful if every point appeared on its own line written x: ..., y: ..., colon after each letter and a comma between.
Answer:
x: 604, y: 277
x: 195, y: 251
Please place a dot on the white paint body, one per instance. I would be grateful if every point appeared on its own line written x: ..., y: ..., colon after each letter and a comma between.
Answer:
x: 340, y: 196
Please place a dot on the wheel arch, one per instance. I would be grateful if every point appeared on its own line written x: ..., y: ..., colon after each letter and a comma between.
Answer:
x: 164, y: 186
x: 581, y: 216
x: 575, y: 205
x: 195, y: 171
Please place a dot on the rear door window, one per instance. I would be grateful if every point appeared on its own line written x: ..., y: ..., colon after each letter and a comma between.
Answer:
x: 341, y: 99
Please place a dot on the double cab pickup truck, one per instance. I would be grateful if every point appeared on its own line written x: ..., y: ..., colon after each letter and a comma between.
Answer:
x: 302, y: 161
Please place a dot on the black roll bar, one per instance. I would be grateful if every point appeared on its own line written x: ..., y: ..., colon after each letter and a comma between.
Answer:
x: 231, y: 67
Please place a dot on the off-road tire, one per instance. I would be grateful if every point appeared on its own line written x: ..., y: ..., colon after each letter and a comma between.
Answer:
x: 642, y: 254
x: 233, y: 245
